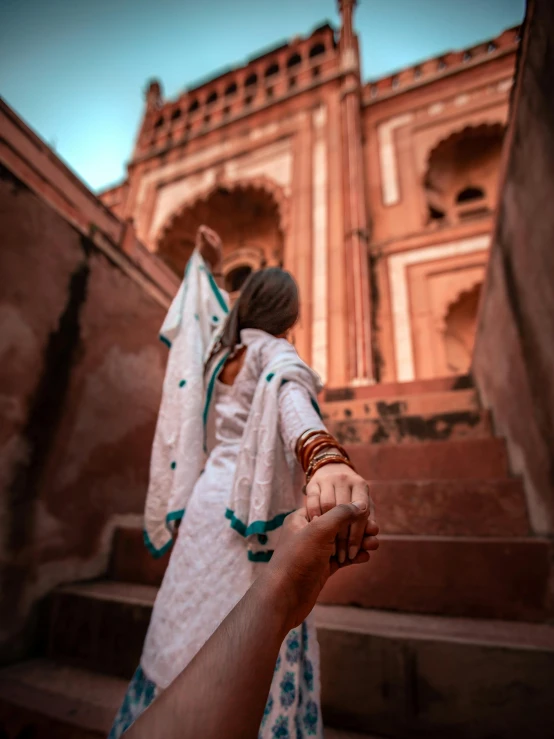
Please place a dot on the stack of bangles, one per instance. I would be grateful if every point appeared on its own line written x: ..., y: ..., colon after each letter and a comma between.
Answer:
x: 315, y: 449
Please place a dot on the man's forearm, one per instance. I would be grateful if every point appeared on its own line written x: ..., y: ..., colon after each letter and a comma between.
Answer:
x: 223, y: 691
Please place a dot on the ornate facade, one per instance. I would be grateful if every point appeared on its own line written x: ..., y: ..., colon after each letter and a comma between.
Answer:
x: 378, y: 196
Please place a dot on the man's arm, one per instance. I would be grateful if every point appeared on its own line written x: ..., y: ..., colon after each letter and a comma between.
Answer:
x: 223, y: 691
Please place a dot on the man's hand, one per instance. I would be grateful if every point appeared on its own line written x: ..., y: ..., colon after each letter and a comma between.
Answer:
x: 304, y: 561
x: 211, y: 249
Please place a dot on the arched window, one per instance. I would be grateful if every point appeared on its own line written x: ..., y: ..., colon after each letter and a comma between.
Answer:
x: 294, y: 61
x: 272, y: 70
x: 317, y: 50
x: 231, y: 89
x: 212, y: 98
x: 194, y: 106
x: 159, y: 122
x: 176, y: 114
x: 470, y: 195
x: 435, y: 214
x: 251, y: 80
x: 236, y: 278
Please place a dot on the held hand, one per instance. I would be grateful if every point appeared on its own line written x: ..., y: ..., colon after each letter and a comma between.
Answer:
x: 210, y: 246
x: 333, y: 485
x: 303, y: 560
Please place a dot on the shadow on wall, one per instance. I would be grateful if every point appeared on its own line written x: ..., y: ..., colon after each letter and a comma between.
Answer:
x: 81, y: 372
x: 513, y: 361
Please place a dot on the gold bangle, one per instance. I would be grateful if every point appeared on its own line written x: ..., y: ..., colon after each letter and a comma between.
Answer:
x: 324, y: 459
x: 325, y: 462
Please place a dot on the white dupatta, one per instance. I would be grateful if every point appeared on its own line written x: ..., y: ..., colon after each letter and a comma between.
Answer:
x: 178, y: 451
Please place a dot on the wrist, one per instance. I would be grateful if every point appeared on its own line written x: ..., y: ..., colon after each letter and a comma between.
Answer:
x: 272, y: 593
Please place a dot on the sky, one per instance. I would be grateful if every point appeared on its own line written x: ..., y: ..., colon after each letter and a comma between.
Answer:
x: 75, y: 70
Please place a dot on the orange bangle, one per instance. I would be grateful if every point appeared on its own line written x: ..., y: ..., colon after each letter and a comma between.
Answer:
x: 304, y: 439
x: 315, y: 447
x: 313, y: 443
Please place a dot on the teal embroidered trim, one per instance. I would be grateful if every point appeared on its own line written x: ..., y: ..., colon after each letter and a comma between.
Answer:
x: 175, y: 515
x: 156, y: 553
x: 260, y: 556
x: 165, y: 341
x: 209, y: 394
x: 258, y: 527
x: 316, y: 408
x: 216, y: 291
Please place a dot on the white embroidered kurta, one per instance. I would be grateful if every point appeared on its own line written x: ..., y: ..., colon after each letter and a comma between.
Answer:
x: 209, y: 570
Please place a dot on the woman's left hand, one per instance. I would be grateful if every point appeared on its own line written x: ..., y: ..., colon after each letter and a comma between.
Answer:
x: 332, y: 485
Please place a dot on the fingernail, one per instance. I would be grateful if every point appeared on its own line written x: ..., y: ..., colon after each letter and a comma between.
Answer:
x: 361, y: 504
x: 342, y: 556
x: 352, y: 552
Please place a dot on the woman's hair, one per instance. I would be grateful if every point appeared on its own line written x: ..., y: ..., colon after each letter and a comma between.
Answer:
x: 268, y: 301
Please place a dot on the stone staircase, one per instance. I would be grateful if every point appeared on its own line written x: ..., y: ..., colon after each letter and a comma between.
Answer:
x: 444, y: 634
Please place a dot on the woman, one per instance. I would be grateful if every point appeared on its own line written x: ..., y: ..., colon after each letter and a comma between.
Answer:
x: 232, y: 436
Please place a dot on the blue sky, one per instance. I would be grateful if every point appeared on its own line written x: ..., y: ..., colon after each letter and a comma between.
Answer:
x: 75, y: 69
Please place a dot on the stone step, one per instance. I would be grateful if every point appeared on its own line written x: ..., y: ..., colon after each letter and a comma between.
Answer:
x: 475, y: 577
x: 100, y: 626
x: 429, y: 404
x: 49, y: 700
x: 406, y: 676
x: 402, y: 429
x: 476, y: 459
x: 479, y: 508
x: 455, y: 383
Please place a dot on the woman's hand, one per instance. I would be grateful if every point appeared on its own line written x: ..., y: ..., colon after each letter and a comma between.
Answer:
x: 330, y: 486
x: 211, y: 249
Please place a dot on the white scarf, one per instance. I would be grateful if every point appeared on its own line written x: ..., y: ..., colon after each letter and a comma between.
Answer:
x: 197, y: 310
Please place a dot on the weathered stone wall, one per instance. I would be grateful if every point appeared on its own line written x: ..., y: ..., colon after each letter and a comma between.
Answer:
x: 514, y: 354
x: 80, y: 381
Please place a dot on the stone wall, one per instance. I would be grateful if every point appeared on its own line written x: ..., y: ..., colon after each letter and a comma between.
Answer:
x: 514, y: 354
x: 80, y: 381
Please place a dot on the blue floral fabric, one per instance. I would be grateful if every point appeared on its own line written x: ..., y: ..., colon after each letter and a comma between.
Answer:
x: 292, y: 710
x: 293, y: 706
x: 140, y: 694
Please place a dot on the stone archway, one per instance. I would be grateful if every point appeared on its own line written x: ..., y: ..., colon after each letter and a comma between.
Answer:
x: 460, y: 181
x: 460, y: 324
x: 249, y: 219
